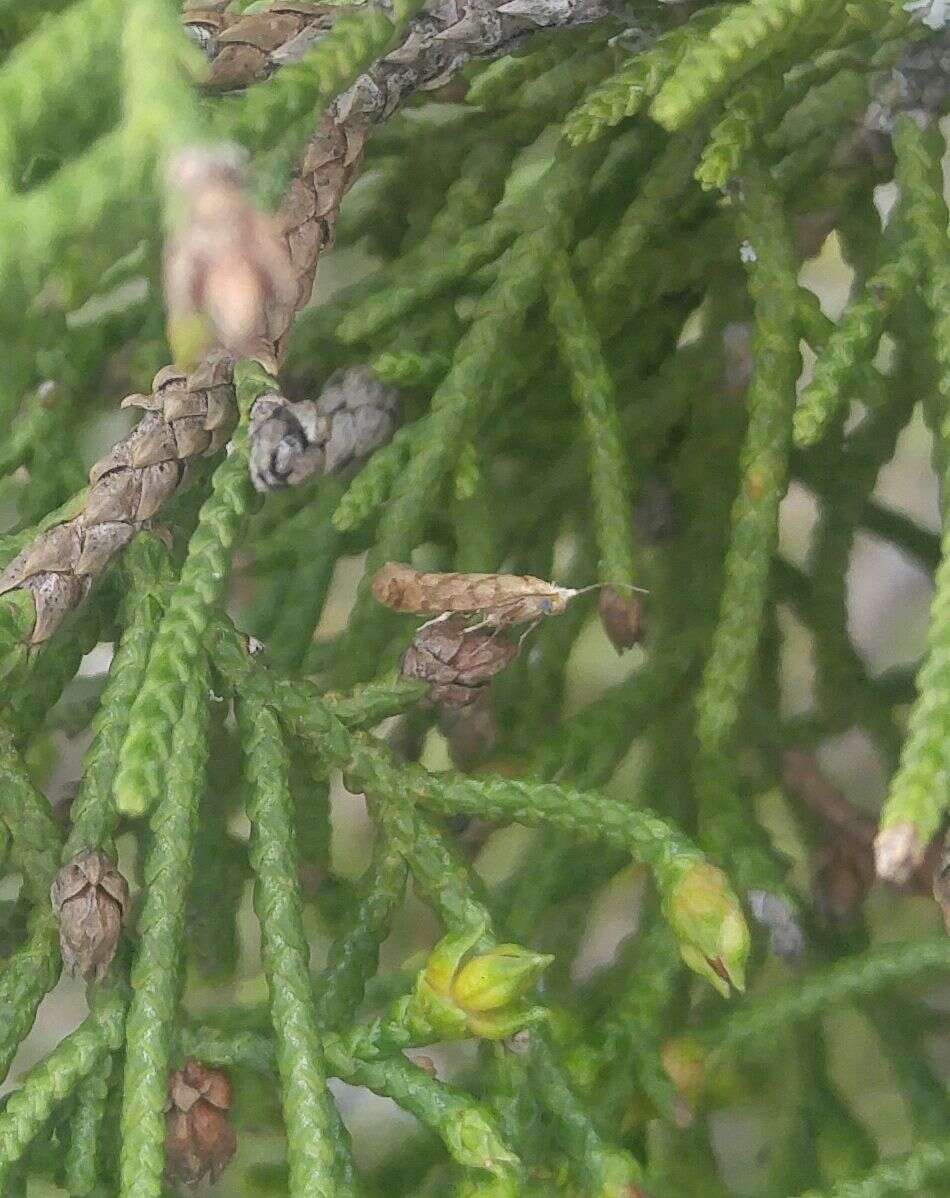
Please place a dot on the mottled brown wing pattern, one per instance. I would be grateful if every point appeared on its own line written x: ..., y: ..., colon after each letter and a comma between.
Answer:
x: 501, y: 600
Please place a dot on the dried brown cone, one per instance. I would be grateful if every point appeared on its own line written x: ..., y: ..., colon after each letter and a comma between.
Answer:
x: 456, y: 661
x: 293, y: 442
x: 186, y: 417
x: 199, y: 1138
x: 90, y: 898
x: 622, y: 618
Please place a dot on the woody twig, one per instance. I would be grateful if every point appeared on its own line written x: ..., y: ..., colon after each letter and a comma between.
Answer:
x: 844, y: 864
x: 189, y: 415
x: 245, y: 49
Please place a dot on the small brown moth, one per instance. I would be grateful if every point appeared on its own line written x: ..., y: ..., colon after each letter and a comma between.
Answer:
x: 502, y: 600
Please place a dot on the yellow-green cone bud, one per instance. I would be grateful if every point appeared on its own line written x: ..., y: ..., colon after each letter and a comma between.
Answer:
x: 498, y: 977
x: 708, y: 923
x: 474, y: 1141
x: 459, y: 994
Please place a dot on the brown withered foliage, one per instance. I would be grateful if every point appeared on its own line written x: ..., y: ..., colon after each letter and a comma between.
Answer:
x: 90, y: 898
x: 226, y: 261
x: 199, y: 1138
x: 456, y: 661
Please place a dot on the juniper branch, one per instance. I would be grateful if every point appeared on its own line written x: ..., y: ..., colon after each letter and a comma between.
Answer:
x: 918, y: 795
x: 764, y: 467
x: 312, y: 1146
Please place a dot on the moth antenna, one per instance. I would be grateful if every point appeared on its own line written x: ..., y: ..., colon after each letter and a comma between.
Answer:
x: 618, y: 586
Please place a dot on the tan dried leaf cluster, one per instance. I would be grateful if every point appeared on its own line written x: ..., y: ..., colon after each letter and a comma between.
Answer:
x: 199, y: 1138
x: 90, y: 899
x: 226, y: 261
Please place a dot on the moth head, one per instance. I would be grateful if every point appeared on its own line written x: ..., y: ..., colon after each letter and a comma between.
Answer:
x: 556, y: 603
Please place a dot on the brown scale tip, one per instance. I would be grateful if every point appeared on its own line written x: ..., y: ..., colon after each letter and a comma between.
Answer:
x: 622, y: 618
x: 426, y: 1064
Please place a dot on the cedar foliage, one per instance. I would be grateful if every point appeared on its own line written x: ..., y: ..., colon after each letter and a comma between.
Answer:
x: 582, y: 274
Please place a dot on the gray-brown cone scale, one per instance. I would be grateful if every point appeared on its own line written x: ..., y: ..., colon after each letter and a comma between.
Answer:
x: 90, y: 899
x: 244, y: 49
x: 293, y: 442
x: 458, y: 662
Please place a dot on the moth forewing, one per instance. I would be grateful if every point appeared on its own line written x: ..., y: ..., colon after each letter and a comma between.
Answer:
x: 501, y: 600
x: 528, y: 609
